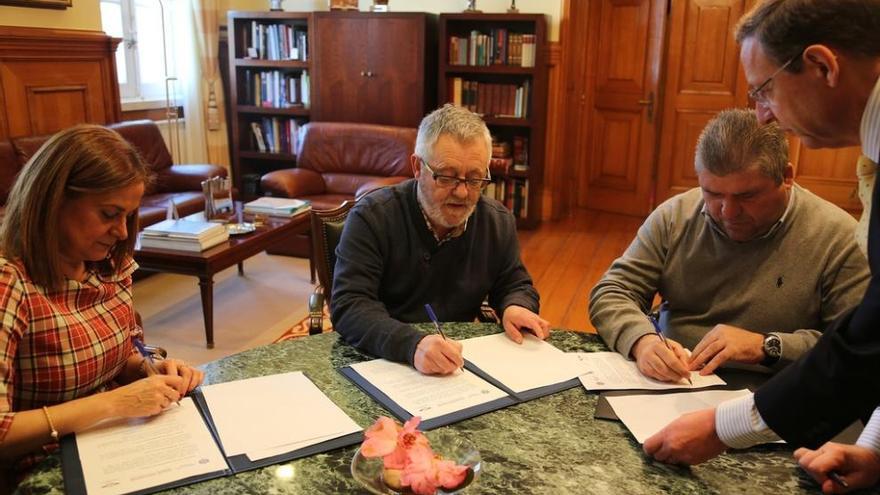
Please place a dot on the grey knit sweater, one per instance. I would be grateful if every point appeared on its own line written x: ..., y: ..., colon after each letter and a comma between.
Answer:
x: 794, y: 281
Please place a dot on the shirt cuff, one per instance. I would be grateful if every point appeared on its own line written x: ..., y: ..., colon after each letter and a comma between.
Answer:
x: 739, y: 424
x: 870, y: 437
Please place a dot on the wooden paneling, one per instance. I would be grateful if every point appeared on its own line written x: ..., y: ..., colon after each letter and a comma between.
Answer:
x: 375, y: 68
x: 830, y: 173
x: 555, y: 194
x: 52, y: 79
x: 621, y: 130
x: 703, y: 77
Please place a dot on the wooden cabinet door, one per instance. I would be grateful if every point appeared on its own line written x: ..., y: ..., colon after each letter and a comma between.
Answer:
x: 618, y: 175
x: 341, y: 62
x: 703, y: 76
x: 396, y: 71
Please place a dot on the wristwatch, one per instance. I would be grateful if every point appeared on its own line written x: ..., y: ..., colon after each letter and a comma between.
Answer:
x: 772, y: 349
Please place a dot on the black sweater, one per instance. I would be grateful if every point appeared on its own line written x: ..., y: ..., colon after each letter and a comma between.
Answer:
x: 389, y: 266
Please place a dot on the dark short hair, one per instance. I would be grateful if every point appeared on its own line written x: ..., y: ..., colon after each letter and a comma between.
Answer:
x: 786, y: 27
x: 734, y: 140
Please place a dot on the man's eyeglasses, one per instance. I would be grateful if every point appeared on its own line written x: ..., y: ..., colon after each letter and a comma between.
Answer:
x: 758, y: 95
x: 451, y: 181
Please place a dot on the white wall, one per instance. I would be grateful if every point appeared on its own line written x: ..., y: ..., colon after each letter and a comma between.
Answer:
x: 552, y: 8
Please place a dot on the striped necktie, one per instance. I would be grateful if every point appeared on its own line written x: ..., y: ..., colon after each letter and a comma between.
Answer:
x: 866, y: 171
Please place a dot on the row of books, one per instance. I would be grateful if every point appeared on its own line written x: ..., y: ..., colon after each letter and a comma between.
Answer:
x: 275, y: 135
x: 507, y: 155
x: 491, y: 99
x: 498, y: 47
x: 276, y: 89
x: 512, y: 192
x: 276, y: 42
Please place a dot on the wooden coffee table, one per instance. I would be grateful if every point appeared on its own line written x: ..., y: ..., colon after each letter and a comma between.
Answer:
x: 206, y: 263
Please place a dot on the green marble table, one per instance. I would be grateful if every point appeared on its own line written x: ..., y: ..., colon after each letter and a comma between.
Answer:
x: 548, y: 445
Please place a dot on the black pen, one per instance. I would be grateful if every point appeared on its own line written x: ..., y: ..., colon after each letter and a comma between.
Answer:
x: 660, y: 334
x: 837, y: 479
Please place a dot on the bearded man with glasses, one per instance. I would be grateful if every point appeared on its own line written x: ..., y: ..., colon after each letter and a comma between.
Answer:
x: 432, y: 240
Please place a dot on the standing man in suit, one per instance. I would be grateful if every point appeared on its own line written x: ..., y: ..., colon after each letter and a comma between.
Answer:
x: 813, y: 66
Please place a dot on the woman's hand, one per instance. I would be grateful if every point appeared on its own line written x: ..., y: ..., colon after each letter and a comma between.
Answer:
x: 147, y: 396
x: 190, y: 377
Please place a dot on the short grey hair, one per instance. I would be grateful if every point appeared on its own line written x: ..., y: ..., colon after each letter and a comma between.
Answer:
x: 734, y: 141
x: 459, y: 123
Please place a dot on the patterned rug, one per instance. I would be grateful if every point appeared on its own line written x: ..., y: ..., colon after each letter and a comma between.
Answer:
x: 301, y: 329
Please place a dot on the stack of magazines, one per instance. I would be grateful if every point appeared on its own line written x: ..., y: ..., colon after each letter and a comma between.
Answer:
x: 277, y: 207
x: 184, y: 235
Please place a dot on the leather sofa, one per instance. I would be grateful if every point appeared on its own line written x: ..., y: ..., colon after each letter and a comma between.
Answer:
x: 182, y: 183
x: 336, y: 162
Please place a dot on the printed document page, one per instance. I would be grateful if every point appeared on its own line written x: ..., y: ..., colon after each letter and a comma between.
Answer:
x: 427, y: 396
x: 271, y: 415
x: 645, y: 415
x: 127, y: 455
x: 520, y: 367
x: 611, y: 371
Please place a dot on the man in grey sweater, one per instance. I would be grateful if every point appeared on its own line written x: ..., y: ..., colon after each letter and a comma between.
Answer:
x: 750, y: 266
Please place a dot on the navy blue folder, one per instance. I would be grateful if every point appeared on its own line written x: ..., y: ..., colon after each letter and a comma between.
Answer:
x: 74, y: 482
x: 470, y: 412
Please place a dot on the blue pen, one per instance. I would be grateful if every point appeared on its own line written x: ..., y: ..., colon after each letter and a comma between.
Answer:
x: 662, y: 337
x: 434, y: 319
x: 149, y: 365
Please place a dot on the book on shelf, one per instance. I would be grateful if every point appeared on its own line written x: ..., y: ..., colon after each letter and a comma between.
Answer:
x: 521, y: 153
x: 275, y: 135
x: 512, y: 192
x: 218, y: 430
x: 493, y: 47
x: 276, y: 89
x: 276, y: 42
x: 491, y: 99
x: 277, y: 207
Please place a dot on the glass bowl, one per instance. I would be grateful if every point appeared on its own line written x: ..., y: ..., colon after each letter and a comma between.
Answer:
x: 446, y: 443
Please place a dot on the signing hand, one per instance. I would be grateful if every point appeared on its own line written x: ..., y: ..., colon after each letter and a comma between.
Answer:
x: 438, y: 356
x: 656, y: 361
x: 858, y: 466
x: 727, y: 343
x: 517, y: 319
x: 690, y: 439
x: 191, y: 377
x: 146, y: 397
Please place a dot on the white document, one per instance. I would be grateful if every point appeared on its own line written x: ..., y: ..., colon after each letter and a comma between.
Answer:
x: 520, y: 367
x: 611, y: 371
x: 427, y: 396
x: 123, y: 456
x: 645, y: 415
x: 270, y: 415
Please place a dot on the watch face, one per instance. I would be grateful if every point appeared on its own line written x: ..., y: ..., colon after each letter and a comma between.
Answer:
x: 772, y: 346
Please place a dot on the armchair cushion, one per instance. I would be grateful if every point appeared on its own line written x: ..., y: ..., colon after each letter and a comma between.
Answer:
x: 293, y: 183
x: 187, y: 177
x: 374, y: 184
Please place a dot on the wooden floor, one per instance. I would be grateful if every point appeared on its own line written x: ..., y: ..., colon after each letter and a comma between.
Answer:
x: 567, y: 257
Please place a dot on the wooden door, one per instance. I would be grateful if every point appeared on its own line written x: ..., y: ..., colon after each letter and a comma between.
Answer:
x: 622, y: 123
x: 340, y: 64
x: 703, y: 76
x: 830, y: 173
x: 396, y: 70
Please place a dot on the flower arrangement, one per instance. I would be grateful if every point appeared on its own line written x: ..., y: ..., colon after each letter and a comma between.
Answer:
x: 408, y: 459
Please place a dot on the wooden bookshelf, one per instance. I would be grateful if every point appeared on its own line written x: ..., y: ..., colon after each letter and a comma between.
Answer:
x: 495, y: 75
x: 245, y: 68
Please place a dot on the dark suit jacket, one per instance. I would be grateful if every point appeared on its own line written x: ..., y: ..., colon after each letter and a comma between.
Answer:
x: 837, y: 382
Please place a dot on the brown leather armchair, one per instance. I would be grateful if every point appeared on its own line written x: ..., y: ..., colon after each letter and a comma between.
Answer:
x: 337, y: 162
x: 182, y: 183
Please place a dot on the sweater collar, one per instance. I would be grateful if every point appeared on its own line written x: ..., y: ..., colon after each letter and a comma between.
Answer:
x: 770, y: 232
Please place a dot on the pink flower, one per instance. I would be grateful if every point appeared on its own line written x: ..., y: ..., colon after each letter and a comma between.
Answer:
x: 381, y: 438
x: 406, y: 453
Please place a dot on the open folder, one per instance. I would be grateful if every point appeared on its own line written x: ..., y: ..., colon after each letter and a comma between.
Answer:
x: 497, y: 373
x: 223, y: 429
